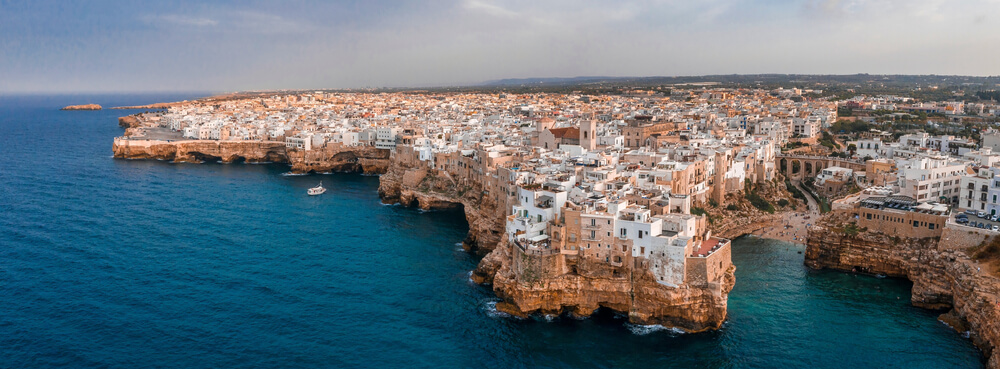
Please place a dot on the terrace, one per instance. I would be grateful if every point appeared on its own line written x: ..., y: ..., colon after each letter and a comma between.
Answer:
x: 709, y: 247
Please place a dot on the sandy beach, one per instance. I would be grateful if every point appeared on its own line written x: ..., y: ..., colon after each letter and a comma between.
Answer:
x: 792, y: 228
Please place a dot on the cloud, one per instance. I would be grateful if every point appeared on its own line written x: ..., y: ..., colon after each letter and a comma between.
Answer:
x: 269, y: 23
x: 490, y: 9
x: 230, y: 20
x: 313, y: 43
x: 182, y: 20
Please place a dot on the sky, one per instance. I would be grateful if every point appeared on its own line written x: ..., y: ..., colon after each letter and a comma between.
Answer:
x: 181, y: 45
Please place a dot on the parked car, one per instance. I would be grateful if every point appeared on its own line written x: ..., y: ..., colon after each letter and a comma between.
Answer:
x: 961, y: 216
x: 970, y: 212
x: 981, y: 225
x: 995, y: 228
x: 981, y: 214
x: 962, y: 220
x: 994, y: 217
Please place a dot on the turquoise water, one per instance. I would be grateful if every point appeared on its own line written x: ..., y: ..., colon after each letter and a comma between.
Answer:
x: 110, y: 263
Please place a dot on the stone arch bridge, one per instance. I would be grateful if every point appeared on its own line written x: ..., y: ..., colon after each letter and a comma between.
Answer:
x: 799, y: 167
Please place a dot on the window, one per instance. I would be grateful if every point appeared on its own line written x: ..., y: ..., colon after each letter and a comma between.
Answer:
x: 640, y: 234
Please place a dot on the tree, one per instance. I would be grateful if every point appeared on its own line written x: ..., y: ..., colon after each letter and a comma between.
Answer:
x: 852, y: 148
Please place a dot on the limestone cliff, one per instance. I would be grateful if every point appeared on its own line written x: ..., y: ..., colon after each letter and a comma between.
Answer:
x: 337, y: 158
x: 431, y: 189
x: 737, y: 216
x: 195, y: 151
x: 635, y: 292
x: 632, y: 291
x: 130, y: 121
x: 332, y: 158
x: 943, y: 275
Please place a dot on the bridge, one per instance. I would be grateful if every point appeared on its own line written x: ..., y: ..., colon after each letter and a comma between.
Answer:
x: 799, y: 167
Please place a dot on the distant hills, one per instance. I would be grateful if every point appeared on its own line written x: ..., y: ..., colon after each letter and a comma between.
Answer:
x: 750, y: 79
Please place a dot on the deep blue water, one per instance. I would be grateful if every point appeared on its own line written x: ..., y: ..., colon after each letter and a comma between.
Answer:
x: 110, y: 263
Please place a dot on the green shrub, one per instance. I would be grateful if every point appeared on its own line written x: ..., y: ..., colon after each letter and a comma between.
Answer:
x: 794, y: 191
x: 782, y: 203
x: 760, y: 203
x: 732, y: 207
x: 698, y: 211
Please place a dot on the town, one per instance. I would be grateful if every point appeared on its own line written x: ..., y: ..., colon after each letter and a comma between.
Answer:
x: 646, y: 184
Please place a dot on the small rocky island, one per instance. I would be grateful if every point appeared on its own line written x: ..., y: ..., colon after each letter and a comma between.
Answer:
x: 83, y: 107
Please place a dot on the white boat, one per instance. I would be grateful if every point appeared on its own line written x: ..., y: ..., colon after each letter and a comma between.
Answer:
x: 318, y: 190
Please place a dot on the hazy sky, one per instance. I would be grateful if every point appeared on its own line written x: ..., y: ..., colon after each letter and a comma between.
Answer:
x: 104, y: 45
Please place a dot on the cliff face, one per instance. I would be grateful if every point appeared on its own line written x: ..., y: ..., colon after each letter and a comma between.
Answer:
x: 631, y: 291
x: 202, y: 151
x: 130, y: 121
x: 943, y: 275
x: 335, y: 158
x: 634, y: 292
x: 363, y: 159
x: 430, y: 189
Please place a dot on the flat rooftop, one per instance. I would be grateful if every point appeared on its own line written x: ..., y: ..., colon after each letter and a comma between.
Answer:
x: 706, y: 248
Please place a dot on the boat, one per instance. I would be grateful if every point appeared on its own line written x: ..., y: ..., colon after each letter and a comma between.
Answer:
x: 318, y: 190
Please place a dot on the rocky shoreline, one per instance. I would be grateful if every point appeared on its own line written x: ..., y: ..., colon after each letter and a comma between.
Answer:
x: 367, y: 160
x: 941, y: 278
x: 691, y: 308
x: 944, y: 277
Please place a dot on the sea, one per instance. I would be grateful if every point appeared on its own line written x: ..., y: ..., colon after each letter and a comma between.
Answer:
x: 110, y: 263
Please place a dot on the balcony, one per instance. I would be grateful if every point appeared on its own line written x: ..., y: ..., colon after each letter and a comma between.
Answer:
x: 540, y: 247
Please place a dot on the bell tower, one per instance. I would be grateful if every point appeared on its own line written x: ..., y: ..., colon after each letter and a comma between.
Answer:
x: 588, y: 128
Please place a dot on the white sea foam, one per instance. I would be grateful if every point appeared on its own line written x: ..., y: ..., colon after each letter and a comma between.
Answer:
x: 642, y: 330
x: 490, y: 307
x: 290, y: 174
